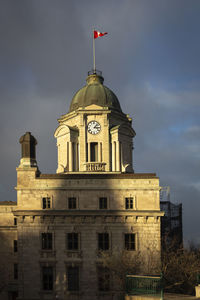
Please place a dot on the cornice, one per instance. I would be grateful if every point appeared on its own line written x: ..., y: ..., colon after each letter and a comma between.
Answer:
x: 85, y: 213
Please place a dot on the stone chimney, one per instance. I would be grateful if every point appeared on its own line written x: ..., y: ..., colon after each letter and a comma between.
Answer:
x: 28, y: 150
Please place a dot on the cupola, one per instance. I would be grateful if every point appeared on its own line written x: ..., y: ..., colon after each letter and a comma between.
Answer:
x: 95, y: 92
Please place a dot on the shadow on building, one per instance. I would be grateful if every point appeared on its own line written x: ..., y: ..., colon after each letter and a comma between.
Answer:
x: 94, y: 203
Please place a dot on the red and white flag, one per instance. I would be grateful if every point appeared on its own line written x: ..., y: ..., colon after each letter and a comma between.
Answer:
x: 98, y: 34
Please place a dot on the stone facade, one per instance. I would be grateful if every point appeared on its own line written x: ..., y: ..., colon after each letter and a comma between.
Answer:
x: 94, y: 203
x: 8, y: 250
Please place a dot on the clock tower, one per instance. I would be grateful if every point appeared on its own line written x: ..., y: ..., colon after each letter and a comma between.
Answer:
x: 95, y: 135
x: 63, y: 223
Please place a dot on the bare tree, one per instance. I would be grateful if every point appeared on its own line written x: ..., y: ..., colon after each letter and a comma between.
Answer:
x: 122, y: 263
x: 180, y: 268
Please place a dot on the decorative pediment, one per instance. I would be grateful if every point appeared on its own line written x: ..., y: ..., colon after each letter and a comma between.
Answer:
x: 64, y: 130
x: 123, y: 129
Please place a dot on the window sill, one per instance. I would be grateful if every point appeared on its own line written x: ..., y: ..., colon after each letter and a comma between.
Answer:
x: 77, y: 293
x: 101, y: 252
x: 47, y: 253
x: 47, y: 250
x: 73, y: 253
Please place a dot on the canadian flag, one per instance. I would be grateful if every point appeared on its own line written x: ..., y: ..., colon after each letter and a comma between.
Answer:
x: 98, y: 34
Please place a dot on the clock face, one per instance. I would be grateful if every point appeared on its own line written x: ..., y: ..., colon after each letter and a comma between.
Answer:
x: 94, y: 127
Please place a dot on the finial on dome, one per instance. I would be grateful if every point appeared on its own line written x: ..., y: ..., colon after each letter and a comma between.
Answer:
x: 94, y: 76
x: 97, y: 72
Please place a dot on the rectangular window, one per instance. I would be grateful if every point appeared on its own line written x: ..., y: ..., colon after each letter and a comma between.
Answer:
x: 103, y: 203
x: 72, y: 203
x: 93, y: 151
x: 129, y: 203
x: 15, y: 271
x: 103, y: 241
x: 72, y: 241
x: 46, y: 202
x: 47, y: 278
x: 47, y: 241
x: 103, y: 279
x: 73, y: 278
x: 15, y: 221
x: 15, y: 245
x: 129, y: 239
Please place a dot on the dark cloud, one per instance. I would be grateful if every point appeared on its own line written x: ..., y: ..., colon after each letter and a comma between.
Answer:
x: 150, y: 59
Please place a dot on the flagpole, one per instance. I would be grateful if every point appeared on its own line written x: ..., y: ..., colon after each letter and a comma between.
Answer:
x: 94, y: 65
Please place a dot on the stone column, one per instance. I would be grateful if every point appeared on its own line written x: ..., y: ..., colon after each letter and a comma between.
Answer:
x: 67, y: 154
x: 70, y: 157
x: 100, y: 152
x: 82, y: 143
x: 89, y: 152
x: 77, y: 156
x: 117, y: 156
x: 58, y: 155
x: 113, y: 156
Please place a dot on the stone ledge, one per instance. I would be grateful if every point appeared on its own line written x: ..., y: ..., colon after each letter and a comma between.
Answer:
x: 85, y: 175
x: 117, y: 213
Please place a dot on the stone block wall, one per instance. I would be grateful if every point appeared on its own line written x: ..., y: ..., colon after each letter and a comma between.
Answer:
x: 32, y: 257
x: 8, y: 256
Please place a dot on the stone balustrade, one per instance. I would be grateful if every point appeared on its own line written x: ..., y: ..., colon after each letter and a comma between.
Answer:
x: 95, y: 167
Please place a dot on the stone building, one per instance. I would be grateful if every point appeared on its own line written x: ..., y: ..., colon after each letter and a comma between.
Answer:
x: 54, y: 236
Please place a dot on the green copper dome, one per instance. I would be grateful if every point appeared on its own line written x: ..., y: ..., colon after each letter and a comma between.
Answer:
x: 94, y: 92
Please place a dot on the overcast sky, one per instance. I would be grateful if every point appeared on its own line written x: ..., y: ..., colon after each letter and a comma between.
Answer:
x: 150, y: 59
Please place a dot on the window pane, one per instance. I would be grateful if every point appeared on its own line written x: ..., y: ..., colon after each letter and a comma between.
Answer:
x: 103, y: 241
x: 72, y: 203
x: 72, y: 241
x: 46, y: 202
x: 47, y: 278
x: 129, y: 203
x: 103, y: 279
x: 94, y: 151
x: 69, y: 241
x: 130, y: 241
x: 103, y: 203
x: 127, y: 206
x: 47, y: 241
x: 15, y: 245
x: 75, y: 241
x: 73, y: 278
x: 43, y: 203
x: 15, y: 271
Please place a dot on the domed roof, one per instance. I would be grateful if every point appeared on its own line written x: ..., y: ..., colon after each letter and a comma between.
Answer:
x: 28, y: 137
x: 94, y: 92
